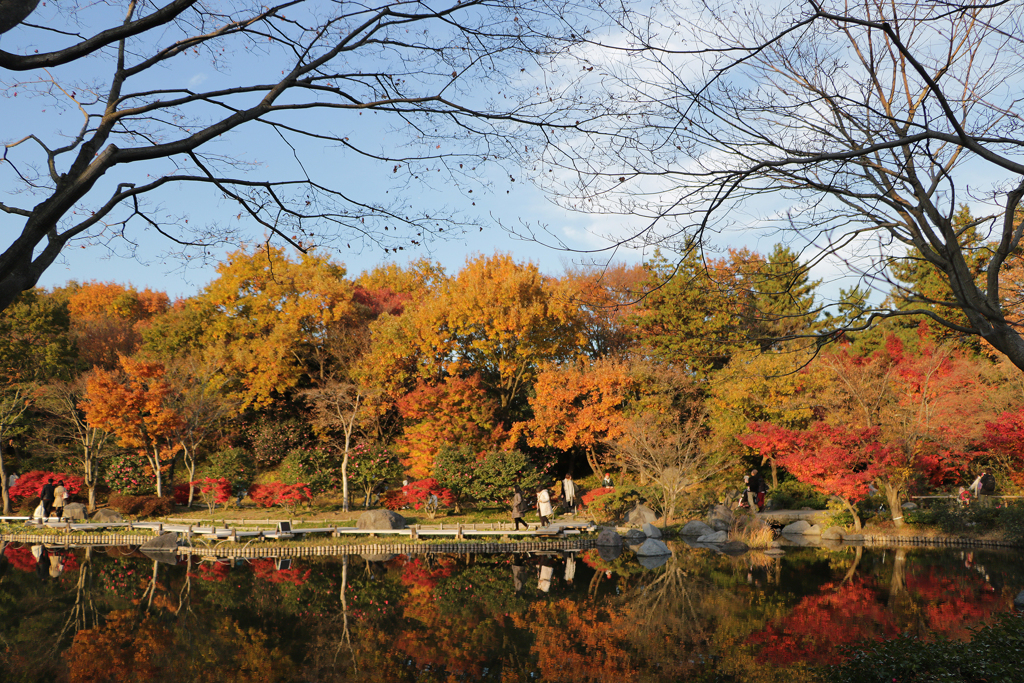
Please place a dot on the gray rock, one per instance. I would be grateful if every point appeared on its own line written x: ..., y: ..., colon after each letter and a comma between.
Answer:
x: 714, y: 537
x: 813, y: 530
x: 797, y: 528
x: 651, y: 547
x: 161, y: 556
x: 832, y: 534
x: 696, y: 528
x: 107, y: 515
x: 775, y: 552
x: 653, y: 561
x: 651, y: 531
x: 720, y: 525
x: 721, y: 518
x: 380, y: 519
x: 609, y: 539
x: 1018, y: 601
x: 74, y: 512
x: 857, y: 538
x: 735, y: 548
x: 909, y: 506
x: 380, y: 557
x: 609, y: 553
x: 635, y: 537
x: 167, y: 541
x: 640, y: 515
x: 775, y: 544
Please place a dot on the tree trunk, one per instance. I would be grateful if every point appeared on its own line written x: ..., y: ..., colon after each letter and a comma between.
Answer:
x: 853, y: 511
x: 892, y: 497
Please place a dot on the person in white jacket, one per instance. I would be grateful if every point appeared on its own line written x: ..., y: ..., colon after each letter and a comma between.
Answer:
x: 569, y: 494
x: 543, y: 505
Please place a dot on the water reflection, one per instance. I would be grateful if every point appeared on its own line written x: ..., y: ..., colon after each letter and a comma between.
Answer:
x: 114, y: 614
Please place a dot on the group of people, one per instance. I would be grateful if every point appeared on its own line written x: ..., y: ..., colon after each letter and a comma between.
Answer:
x: 52, y: 499
x: 984, y: 485
x: 755, y: 489
x: 545, y: 502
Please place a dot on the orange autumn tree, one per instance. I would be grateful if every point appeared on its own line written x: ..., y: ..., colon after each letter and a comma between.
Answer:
x: 457, y: 411
x: 578, y: 406
x: 107, y: 319
x: 134, y: 404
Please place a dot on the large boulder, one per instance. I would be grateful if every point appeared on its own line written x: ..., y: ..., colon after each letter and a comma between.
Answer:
x: 380, y: 519
x: 696, y: 528
x: 640, y: 515
x: 609, y: 553
x: 797, y: 528
x: 75, y: 512
x: 652, y: 547
x: 1018, y: 601
x: 735, y: 548
x: 635, y: 536
x: 651, y: 531
x: 107, y: 516
x: 609, y: 539
x: 721, y: 518
x: 832, y: 534
x: 167, y: 541
x: 813, y: 530
x: 714, y: 537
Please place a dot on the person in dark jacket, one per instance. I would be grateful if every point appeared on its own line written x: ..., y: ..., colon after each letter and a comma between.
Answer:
x: 47, y: 496
x: 755, y: 491
x: 517, y: 507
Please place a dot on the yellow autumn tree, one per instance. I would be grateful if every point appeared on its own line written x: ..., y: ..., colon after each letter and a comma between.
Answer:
x: 498, y: 317
x: 278, y: 319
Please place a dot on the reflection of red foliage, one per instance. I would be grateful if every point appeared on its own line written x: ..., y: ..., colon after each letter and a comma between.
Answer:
x: 820, y: 624
x: 267, y: 571
x: 20, y: 558
x: 212, y: 572
x: 954, y: 605
x: 31, y: 483
x: 416, y: 573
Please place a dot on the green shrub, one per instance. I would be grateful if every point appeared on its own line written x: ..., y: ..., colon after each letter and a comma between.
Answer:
x: 993, y: 654
x: 612, y: 507
x: 234, y: 464
x: 318, y: 468
x: 794, y: 495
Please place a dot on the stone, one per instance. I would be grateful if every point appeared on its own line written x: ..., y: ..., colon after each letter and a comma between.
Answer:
x: 1018, y: 601
x: 379, y: 557
x: 653, y: 561
x: 721, y: 518
x: 832, y: 534
x: 609, y: 539
x: 635, y: 536
x: 609, y: 553
x: 735, y: 548
x: 714, y: 537
x: 107, y: 515
x: 167, y: 541
x: 696, y: 528
x: 775, y: 552
x: 651, y: 531
x: 380, y: 519
x: 813, y: 530
x: 797, y: 528
x: 162, y: 556
x: 856, y: 538
x: 75, y: 512
x: 909, y: 506
x: 640, y: 515
x: 653, y: 546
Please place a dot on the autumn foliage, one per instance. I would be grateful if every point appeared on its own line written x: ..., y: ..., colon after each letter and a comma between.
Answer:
x: 279, y: 493
x: 31, y: 483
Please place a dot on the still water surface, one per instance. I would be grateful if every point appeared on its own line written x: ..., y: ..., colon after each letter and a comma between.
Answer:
x: 112, y: 614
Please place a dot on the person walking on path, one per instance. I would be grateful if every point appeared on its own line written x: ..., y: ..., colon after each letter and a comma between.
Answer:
x: 60, y: 495
x: 569, y: 494
x: 607, y: 481
x: 47, y: 496
x: 543, y: 504
x: 517, y: 508
x: 754, y: 494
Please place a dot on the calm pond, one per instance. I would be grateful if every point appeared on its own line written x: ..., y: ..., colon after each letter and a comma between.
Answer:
x: 112, y: 614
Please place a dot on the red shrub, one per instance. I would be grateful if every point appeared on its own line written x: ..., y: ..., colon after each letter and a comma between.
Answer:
x: 31, y: 483
x: 278, y: 493
x: 591, y: 496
